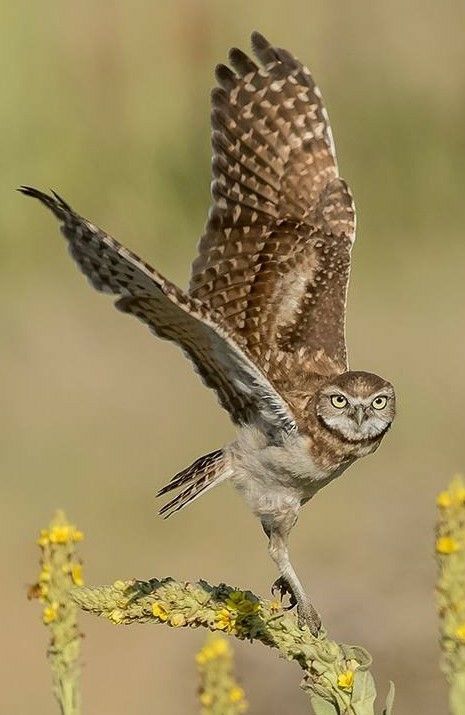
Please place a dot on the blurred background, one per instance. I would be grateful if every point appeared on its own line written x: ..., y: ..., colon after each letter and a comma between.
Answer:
x: 108, y: 103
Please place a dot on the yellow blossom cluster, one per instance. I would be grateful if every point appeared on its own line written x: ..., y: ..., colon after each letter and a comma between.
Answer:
x: 451, y: 503
x: 447, y: 545
x: 450, y: 550
x: 60, y: 571
x: 214, y: 648
x: 57, y: 545
x: 59, y: 534
x: 453, y: 496
x: 219, y: 693
x: 239, y: 606
x: 162, y: 611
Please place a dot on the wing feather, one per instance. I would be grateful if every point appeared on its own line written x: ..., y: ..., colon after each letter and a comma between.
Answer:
x: 173, y: 315
x: 264, y: 317
x: 274, y: 260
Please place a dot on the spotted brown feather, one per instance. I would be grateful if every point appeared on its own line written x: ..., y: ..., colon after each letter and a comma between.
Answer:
x: 275, y: 256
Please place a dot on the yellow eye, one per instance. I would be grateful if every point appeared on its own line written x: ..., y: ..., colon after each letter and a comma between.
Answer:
x: 338, y: 401
x: 379, y: 402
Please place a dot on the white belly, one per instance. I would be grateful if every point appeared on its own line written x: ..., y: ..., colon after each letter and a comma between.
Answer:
x: 275, y: 481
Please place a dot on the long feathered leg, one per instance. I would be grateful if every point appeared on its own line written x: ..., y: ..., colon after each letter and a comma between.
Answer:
x: 278, y: 550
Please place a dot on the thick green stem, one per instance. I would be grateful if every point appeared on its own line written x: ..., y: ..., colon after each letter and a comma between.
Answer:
x: 336, y: 677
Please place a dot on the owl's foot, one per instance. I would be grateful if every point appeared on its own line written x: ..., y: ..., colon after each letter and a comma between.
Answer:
x: 306, y: 613
x: 282, y: 588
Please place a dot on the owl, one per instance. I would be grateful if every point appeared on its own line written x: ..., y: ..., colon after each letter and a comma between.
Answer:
x: 263, y: 318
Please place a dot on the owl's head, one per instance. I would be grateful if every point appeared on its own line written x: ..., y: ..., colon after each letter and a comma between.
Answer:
x: 357, y: 406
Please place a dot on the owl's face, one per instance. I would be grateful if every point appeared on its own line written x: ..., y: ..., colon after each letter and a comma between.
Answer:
x: 357, y: 406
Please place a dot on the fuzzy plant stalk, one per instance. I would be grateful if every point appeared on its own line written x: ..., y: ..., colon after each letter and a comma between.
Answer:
x: 60, y: 571
x: 336, y: 677
x: 450, y: 552
x: 219, y: 691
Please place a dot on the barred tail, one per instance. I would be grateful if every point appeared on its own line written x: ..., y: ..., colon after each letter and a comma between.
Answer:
x: 205, y: 473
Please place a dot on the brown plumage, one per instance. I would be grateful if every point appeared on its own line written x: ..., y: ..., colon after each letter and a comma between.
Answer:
x: 274, y: 259
x: 263, y: 319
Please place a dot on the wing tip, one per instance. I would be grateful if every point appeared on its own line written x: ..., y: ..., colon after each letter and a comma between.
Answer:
x: 30, y: 191
x: 52, y: 201
x: 258, y: 41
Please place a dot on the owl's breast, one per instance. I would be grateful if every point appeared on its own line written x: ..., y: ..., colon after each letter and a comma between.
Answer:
x: 278, y: 478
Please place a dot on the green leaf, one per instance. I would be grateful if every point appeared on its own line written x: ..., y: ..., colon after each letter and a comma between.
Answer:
x: 321, y: 706
x: 363, y: 693
x: 356, y: 652
x: 390, y: 699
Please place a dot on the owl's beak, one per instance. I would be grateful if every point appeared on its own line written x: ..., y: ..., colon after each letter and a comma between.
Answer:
x: 359, y: 414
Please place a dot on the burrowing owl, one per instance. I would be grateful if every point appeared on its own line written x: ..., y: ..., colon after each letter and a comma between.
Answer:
x: 263, y: 319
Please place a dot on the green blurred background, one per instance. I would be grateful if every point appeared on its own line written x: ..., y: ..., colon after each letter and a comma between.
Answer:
x: 109, y: 104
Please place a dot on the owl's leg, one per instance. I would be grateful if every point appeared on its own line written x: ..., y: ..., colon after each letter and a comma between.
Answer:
x: 277, y: 546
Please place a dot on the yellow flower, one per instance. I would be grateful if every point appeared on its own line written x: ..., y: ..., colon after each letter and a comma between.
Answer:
x: 160, y: 611
x: 50, y: 613
x: 444, y: 500
x: 345, y: 680
x: 205, y: 654
x: 454, y: 496
x: 61, y: 534
x: 200, y: 658
x: 43, y: 537
x: 220, y: 647
x: 275, y: 605
x: 76, y: 574
x: 206, y: 699
x: 177, y: 620
x: 225, y: 620
x: 446, y: 545
x: 44, y: 575
x: 236, y: 694
x: 216, y: 648
x: 460, y: 632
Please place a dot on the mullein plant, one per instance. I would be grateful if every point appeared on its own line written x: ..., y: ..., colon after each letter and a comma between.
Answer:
x: 60, y: 571
x: 450, y: 551
x: 336, y: 677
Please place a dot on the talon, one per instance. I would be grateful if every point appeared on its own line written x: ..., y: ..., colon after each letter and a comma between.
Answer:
x: 282, y: 587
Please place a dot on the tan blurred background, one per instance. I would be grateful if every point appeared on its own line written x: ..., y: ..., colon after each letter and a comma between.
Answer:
x: 109, y: 104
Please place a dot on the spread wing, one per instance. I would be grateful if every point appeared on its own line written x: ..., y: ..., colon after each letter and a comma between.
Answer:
x: 275, y: 256
x: 264, y: 317
x: 171, y: 314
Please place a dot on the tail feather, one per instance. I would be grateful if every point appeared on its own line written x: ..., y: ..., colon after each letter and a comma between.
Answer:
x: 205, y: 473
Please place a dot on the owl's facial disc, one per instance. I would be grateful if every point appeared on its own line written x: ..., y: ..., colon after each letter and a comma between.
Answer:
x: 356, y: 417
